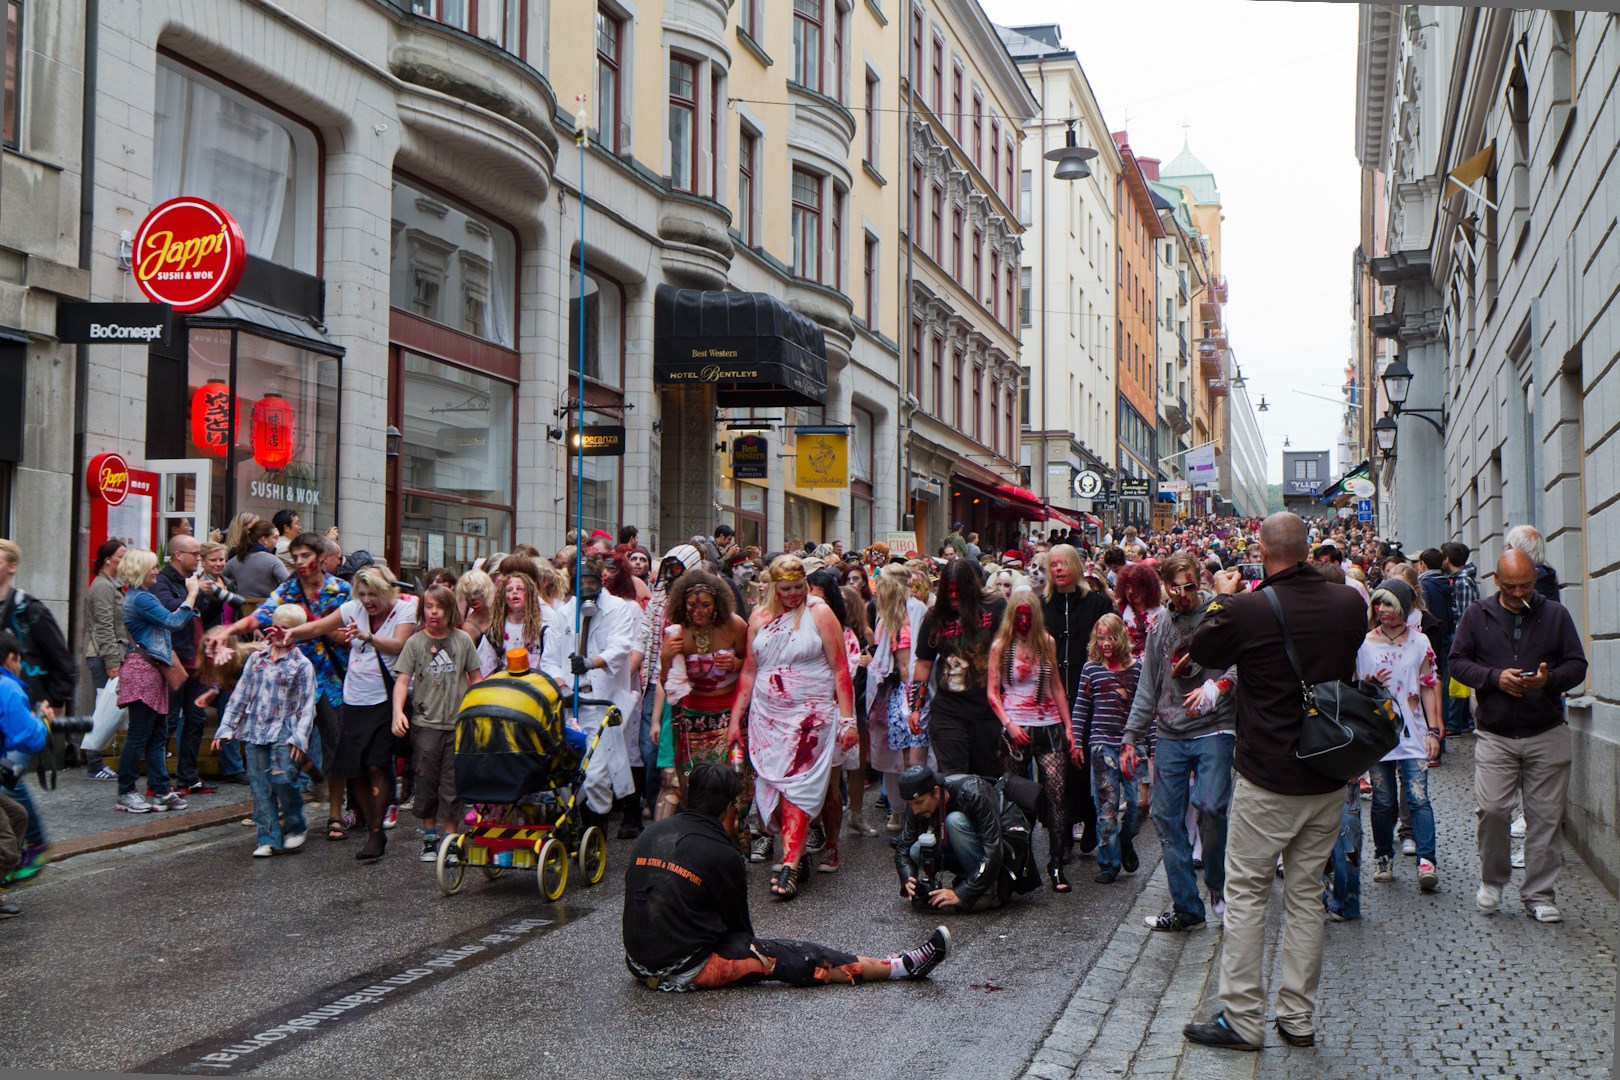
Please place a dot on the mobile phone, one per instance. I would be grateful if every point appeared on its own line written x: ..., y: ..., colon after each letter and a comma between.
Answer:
x: 1251, y: 571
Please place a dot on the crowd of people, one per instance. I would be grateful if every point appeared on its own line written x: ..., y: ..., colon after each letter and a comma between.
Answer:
x: 1073, y: 685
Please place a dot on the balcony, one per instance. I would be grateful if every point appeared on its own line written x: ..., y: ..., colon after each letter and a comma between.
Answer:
x: 1218, y: 388
x: 1182, y: 275
x: 1181, y: 339
x: 1178, y: 416
x: 1217, y: 291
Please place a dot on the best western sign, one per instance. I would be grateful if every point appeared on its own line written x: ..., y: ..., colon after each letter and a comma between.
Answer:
x: 113, y: 324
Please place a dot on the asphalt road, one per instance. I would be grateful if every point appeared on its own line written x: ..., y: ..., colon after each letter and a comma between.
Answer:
x: 154, y: 961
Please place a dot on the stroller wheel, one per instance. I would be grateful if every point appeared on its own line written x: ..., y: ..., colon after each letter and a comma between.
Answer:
x: 492, y: 872
x: 593, y: 855
x: 450, y: 873
x: 551, y: 868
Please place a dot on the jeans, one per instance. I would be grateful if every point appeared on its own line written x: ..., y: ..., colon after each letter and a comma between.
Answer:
x: 962, y: 848
x: 1344, y: 894
x: 147, y: 738
x: 34, y: 836
x: 1459, y: 714
x: 1116, y: 825
x: 651, y: 776
x: 185, y: 723
x: 1413, y: 776
x: 278, y: 808
x: 1175, y: 762
x: 230, y: 754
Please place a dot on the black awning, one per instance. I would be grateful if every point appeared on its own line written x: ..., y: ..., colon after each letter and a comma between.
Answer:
x: 753, y: 348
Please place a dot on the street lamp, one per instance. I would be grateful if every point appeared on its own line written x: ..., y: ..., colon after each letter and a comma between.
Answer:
x: 1262, y: 407
x: 1397, y: 380
x: 1071, y: 158
x: 1384, y: 433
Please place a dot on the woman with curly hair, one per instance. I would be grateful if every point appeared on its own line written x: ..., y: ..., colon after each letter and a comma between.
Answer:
x: 703, y: 647
x: 1139, y: 598
x: 799, y: 701
x: 524, y: 627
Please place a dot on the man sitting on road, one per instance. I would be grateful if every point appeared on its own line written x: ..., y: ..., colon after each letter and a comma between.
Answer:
x: 686, y: 921
x: 970, y: 815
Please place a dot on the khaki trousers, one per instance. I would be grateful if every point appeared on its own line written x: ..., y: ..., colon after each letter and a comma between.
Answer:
x: 1537, y: 767
x: 1261, y: 826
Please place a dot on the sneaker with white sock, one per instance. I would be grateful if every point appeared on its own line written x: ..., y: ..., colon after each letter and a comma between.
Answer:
x: 926, y: 957
x: 133, y: 803
x: 1516, y: 860
x: 1488, y: 898
x: 1409, y: 846
x: 1516, y: 830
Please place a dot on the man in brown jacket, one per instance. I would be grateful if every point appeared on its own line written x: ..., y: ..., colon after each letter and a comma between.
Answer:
x: 1280, y: 805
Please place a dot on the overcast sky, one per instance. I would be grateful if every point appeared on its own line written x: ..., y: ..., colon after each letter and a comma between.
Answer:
x: 1267, y: 94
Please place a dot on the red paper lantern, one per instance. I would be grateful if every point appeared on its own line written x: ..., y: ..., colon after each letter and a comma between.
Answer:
x: 211, y: 418
x: 274, y: 432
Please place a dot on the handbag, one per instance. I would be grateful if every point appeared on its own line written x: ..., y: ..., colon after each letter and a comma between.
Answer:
x: 174, y: 672
x: 1347, y: 728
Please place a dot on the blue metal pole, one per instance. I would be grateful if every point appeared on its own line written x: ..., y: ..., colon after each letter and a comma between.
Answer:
x: 579, y: 431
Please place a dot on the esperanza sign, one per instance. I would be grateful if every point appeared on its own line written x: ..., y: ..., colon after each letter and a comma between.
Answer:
x: 189, y: 254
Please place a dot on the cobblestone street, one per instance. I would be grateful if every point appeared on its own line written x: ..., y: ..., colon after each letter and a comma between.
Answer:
x: 1421, y: 986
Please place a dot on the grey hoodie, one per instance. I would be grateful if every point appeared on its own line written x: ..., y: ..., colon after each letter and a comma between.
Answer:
x: 1159, y: 695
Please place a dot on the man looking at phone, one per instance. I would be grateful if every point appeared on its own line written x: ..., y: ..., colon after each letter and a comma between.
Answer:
x: 1520, y: 652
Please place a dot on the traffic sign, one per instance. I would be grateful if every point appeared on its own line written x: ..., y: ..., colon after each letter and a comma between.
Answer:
x: 1087, y: 485
x: 1364, y: 510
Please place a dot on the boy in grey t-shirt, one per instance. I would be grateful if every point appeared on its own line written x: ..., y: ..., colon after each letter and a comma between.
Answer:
x: 436, y: 667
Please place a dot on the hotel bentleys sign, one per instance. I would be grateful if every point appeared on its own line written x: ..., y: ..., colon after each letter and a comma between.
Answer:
x: 724, y: 365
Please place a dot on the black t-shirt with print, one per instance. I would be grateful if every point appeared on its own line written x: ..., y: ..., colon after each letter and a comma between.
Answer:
x: 961, y: 662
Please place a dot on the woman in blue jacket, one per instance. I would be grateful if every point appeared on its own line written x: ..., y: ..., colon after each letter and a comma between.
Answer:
x: 142, y: 688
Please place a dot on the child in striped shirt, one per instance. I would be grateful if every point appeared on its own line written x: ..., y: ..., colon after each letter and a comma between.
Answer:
x: 1102, y: 702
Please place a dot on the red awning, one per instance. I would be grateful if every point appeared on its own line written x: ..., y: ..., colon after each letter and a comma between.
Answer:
x: 1094, y: 520
x: 1054, y: 514
x: 1023, y: 498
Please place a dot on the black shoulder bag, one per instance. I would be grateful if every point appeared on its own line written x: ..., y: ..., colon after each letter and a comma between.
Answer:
x: 1347, y: 727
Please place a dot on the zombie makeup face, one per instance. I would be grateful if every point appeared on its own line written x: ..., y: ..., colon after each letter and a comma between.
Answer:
x: 433, y: 616
x: 1023, y: 619
x: 375, y: 605
x: 700, y: 608
x: 792, y: 593
x: 514, y: 596
x: 640, y: 564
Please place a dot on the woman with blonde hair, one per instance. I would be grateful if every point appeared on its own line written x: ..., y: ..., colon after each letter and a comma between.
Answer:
x: 1071, y: 605
x: 1026, y: 694
x: 377, y: 621
x: 142, y: 687
x: 475, y: 593
x: 795, y: 676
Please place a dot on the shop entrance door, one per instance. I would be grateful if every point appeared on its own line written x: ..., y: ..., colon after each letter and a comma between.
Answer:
x: 183, y: 498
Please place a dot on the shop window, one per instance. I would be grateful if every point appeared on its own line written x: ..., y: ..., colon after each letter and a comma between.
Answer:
x: 682, y: 124
x: 610, y: 32
x: 453, y: 266
x: 13, y: 68
x: 603, y: 328
x: 215, y: 143
x: 455, y: 464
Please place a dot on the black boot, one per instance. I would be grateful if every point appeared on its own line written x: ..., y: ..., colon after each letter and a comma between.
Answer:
x: 630, y: 822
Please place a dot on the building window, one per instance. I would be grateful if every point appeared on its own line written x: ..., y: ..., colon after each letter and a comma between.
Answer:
x: 936, y: 218
x: 939, y: 75
x: 956, y: 243
x: 861, y: 465
x: 956, y: 388
x: 1009, y: 165
x: 956, y: 101
x: 807, y: 224
x: 1026, y: 201
x: 938, y: 365
x: 1012, y: 306
x: 978, y: 130
x: 995, y: 152
x: 838, y: 238
x: 978, y: 402
x: 455, y: 464
x: 682, y: 124
x: 1026, y: 278
x: 807, y: 43
x: 603, y: 327
x: 869, y: 275
x: 915, y: 75
x: 916, y: 203
x: 609, y: 50
x: 747, y: 197
x: 748, y: 18
x: 1012, y: 426
x: 452, y: 265
x: 977, y: 281
x: 714, y: 135
x: 995, y: 285
x: 450, y: 12
x: 13, y: 69
x: 873, y: 104
x: 840, y: 23
x: 916, y: 387
x: 214, y: 143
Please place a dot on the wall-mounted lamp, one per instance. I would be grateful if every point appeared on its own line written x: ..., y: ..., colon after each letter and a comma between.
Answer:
x: 393, y: 438
x: 555, y: 434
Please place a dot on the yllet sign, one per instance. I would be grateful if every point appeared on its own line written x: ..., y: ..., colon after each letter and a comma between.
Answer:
x: 189, y: 254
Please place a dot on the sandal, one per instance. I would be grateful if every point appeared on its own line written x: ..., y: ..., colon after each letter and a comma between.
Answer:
x: 785, y: 886
x: 335, y: 829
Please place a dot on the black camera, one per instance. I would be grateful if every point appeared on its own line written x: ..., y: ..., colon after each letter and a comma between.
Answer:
x: 71, y: 725
x: 927, y: 872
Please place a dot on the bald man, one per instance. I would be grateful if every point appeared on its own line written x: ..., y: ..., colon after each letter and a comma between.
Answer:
x: 1521, y: 653
x: 1280, y: 805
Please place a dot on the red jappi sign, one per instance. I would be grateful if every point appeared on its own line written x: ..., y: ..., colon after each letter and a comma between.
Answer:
x: 189, y: 254
x: 108, y: 478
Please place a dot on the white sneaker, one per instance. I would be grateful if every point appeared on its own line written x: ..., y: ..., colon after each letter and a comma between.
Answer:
x: 1516, y: 830
x: 1546, y: 913
x: 263, y: 851
x: 1516, y: 860
x: 294, y: 842
x: 1489, y: 898
x: 1409, y: 846
x: 133, y: 803
x: 896, y: 822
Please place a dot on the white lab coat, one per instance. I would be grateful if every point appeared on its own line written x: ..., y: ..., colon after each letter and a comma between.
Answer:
x: 613, y: 634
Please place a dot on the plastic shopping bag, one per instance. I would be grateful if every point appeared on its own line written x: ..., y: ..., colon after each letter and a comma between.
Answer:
x: 1457, y: 690
x: 107, y: 718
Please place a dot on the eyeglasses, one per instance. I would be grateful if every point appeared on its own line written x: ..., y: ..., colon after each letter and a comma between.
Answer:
x: 1189, y: 587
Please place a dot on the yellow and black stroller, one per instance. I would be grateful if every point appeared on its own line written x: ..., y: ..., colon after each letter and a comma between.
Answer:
x: 520, y: 769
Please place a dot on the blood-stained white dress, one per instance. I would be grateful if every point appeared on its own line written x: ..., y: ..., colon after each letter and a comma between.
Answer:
x: 792, y: 715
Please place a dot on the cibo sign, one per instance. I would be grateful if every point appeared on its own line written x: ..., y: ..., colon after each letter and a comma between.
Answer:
x: 189, y: 254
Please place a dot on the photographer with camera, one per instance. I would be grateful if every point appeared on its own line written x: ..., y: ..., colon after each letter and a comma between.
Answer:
x: 22, y: 735
x: 973, y: 816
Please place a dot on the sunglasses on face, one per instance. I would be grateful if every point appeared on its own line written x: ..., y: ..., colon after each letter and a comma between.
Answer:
x: 1185, y: 590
